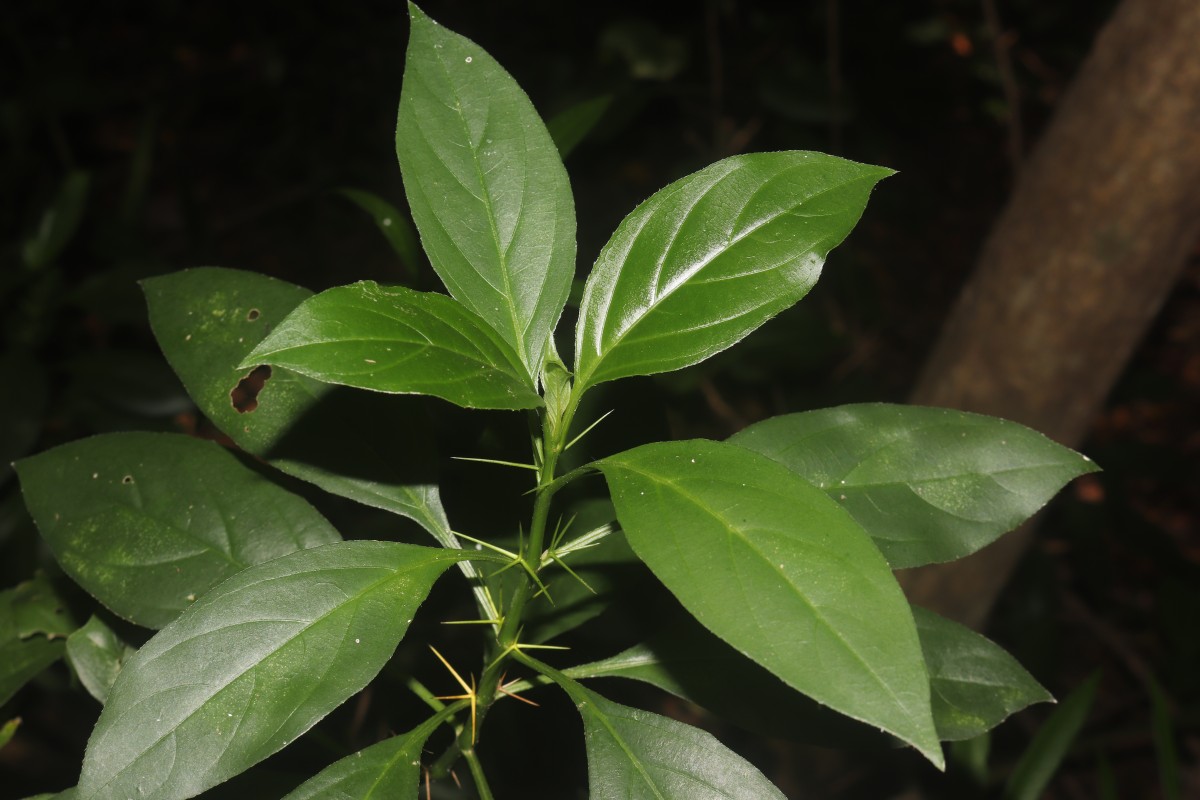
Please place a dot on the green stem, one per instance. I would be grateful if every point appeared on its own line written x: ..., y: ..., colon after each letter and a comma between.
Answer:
x: 481, y: 784
x: 553, y: 443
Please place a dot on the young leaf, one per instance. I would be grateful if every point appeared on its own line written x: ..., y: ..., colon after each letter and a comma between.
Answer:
x: 399, y: 341
x: 252, y: 665
x: 634, y: 754
x: 770, y: 564
x: 147, y: 522
x: 713, y: 256
x: 1049, y: 747
x: 394, y: 226
x: 975, y: 684
x: 389, y: 769
x: 97, y: 654
x: 487, y: 188
x: 928, y: 484
x: 208, y: 320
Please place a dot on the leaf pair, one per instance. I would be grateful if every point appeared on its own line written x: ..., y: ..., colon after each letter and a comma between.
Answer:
x: 689, y: 273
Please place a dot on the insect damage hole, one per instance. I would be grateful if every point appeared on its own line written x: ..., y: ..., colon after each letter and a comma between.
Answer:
x: 252, y: 314
x: 244, y: 396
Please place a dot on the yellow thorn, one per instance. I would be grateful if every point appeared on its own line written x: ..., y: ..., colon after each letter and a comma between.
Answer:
x: 470, y: 690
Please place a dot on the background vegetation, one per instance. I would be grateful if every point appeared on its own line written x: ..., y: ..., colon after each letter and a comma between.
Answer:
x: 167, y: 135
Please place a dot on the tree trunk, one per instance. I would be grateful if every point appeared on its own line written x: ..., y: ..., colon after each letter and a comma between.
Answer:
x: 1096, y: 232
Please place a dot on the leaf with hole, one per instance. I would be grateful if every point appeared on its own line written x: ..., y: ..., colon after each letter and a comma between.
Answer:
x: 487, y: 188
x: 770, y: 564
x: 148, y: 522
x: 395, y: 340
x: 254, y: 664
x: 208, y: 320
x: 713, y: 256
x: 928, y: 484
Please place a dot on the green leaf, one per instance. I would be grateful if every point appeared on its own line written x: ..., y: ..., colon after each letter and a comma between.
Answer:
x: 635, y: 754
x: 570, y: 126
x: 713, y: 256
x: 1049, y: 747
x: 389, y: 769
x: 770, y: 564
x: 33, y: 623
x: 59, y: 222
x: 348, y: 443
x: 394, y: 226
x: 399, y: 341
x: 975, y: 684
x: 487, y: 188
x: 687, y: 661
x: 928, y: 484
x: 37, y: 610
x: 97, y: 655
x: 148, y: 522
x: 252, y: 665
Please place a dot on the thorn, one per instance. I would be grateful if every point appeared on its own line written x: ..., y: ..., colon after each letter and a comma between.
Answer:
x: 504, y: 691
x: 587, y: 430
x: 496, y: 461
x: 470, y: 690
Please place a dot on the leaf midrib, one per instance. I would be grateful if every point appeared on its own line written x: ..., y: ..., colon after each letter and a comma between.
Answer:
x: 770, y: 563
x: 349, y: 601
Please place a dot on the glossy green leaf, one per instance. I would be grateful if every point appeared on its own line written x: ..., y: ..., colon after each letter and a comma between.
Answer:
x: 713, y: 256
x: 1049, y: 747
x: 487, y: 188
x: 570, y: 126
x: 770, y: 564
x: 33, y: 627
x: 97, y: 655
x: 148, y: 522
x: 383, y: 771
x: 399, y: 341
x: 975, y: 684
x: 636, y: 754
x: 928, y: 484
x: 394, y: 226
x: 348, y: 443
x: 59, y: 222
x: 252, y: 665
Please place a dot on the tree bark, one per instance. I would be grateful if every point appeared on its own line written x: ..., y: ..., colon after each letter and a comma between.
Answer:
x: 1096, y: 232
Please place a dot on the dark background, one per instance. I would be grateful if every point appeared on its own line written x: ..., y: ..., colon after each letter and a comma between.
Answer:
x: 218, y: 134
